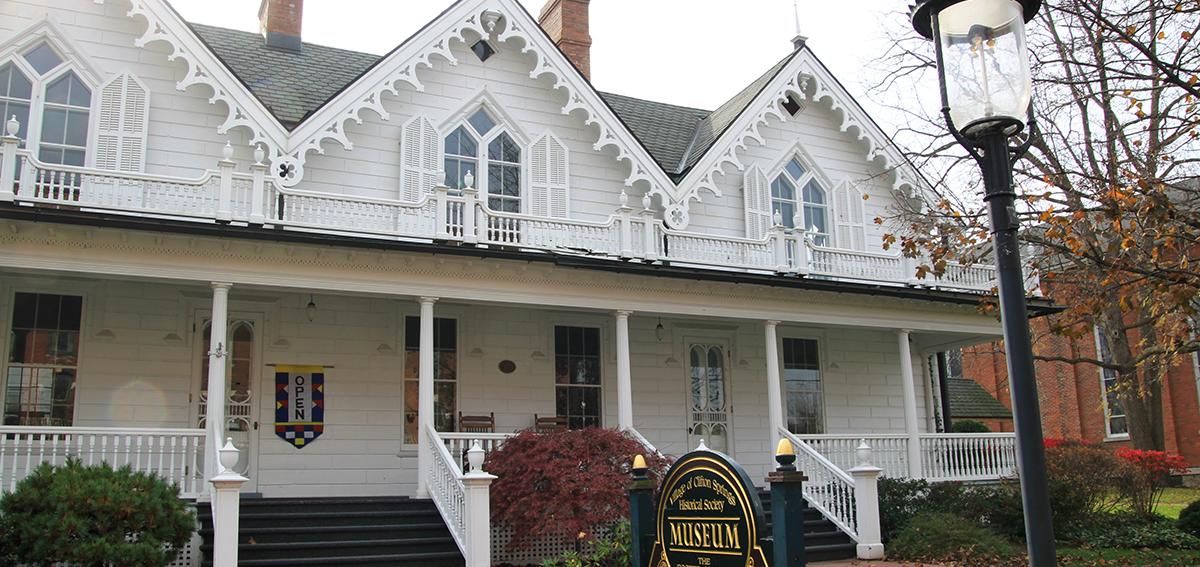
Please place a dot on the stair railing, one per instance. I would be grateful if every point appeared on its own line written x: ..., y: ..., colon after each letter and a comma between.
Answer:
x: 829, y: 489
x: 461, y: 499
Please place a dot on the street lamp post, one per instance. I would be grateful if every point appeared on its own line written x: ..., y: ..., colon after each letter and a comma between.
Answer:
x: 983, y: 70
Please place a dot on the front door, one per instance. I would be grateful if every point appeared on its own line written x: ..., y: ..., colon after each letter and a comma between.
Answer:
x: 709, y: 410
x: 242, y: 370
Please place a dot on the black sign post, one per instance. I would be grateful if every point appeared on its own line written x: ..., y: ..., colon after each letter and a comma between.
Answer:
x: 787, y: 508
x: 641, y: 513
x: 708, y: 515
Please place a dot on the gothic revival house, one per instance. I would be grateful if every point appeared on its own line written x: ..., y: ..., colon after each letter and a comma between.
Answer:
x: 355, y: 265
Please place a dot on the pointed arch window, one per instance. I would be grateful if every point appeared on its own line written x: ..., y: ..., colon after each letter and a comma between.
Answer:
x: 797, y: 194
x: 50, y: 100
x: 481, y: 143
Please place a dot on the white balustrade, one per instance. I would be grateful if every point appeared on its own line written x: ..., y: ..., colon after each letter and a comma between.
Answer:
x: 458, y: 443
x: 829, y: 489
x: 968, y: 456
x: 305, y: 209
x: 446, y: 488
x: 173, y: 454
x: 732, y: 252
x: 251, y: 198
x: 890, y: 452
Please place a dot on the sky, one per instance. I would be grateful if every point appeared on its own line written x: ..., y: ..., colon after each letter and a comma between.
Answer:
x: 695, y: 53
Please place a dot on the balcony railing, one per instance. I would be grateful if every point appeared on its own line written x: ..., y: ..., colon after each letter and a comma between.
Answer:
x: 221, y: 195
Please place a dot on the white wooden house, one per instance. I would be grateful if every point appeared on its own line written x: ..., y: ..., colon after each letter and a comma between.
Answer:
x: 461, y: 226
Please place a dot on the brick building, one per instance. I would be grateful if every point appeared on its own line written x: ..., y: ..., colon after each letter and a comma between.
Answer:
x: 1072, y: 396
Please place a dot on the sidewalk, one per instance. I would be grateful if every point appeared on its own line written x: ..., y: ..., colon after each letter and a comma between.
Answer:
x: 857, y: 563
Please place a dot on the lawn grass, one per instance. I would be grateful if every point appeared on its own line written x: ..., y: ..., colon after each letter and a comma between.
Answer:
x: 1174, y: 500
x: 1128, y: 557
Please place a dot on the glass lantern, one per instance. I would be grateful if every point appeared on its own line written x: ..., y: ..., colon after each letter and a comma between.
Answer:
x: 984, y: 65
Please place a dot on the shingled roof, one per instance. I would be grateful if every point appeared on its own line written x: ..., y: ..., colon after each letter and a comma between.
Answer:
x: 969, y: 399
x: 293, y: 85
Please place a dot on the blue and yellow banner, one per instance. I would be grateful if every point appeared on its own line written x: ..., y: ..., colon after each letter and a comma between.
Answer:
x: 299, y: 403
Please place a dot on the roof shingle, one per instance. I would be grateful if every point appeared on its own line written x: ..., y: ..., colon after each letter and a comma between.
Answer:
x: 969, y: 399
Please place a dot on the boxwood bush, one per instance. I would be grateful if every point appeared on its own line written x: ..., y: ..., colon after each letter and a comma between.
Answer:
x: 1189, y: 519
x: 93, y: 515
x: 939, y: 536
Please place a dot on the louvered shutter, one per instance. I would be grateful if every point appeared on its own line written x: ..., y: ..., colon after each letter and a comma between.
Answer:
x: 851, y: 232
x: 122, y: 117
x: 756, y: 193
x: 420, y: 152
x: 549, y: 186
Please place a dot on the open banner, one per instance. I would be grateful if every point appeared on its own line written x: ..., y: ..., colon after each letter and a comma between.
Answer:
x: 299, y: 403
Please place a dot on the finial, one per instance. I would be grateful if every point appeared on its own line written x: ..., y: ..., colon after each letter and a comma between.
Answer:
x: 702, y: 446
x: 784, y: 448
x: 800, y: 39
x: 639, y: 462
x: 228, y: 455
x: 864, y: 453
x: 777, y: 217
x: 785, y: 456
x: 798, y: 220
x: 227, y: 151
x: 13, y: 126
x: 469, y: 179
x: 624, y: 198
x: 475, y: 457
x: 646, y: 201
x: 259, y: 154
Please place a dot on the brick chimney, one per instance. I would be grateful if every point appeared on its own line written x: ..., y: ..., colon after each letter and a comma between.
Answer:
x: 279, y: 21
x: 566, y: 21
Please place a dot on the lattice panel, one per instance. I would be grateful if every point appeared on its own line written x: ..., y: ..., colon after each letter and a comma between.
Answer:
x: 545, y: 548
x: 189, y: 556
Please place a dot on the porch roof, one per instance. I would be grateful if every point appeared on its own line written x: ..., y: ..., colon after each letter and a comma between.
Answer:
x: 1037, y: 306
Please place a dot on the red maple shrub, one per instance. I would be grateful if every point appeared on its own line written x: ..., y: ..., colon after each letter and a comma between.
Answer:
x: 564, y: 483
x: 1151, y: 471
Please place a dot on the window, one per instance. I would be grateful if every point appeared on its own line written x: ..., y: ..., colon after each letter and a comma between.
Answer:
x: 802, y: 383
x: 483, y: 50
x: 577, y: 375
x: 43, y: 360
x: 1114, y: 423
x: 502, y: 161
x: 56, y: 121
x: 445, y: 375
x: 796, y: 189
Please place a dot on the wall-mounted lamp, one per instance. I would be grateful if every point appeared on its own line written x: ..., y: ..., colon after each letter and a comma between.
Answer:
x: 311, y: 309
x: 659, y: 330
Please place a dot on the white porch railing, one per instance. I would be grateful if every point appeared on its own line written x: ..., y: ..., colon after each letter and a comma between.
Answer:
x: 221, y: 195
x: 968, y: 456
x: 458, y: 443
x: 173, y: 454
x: 889, y: 452
x: 829, y: 488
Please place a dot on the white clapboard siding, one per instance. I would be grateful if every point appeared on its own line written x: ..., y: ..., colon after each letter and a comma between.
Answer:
x: 420, y: 146
x: 549, y: 187
x: 757, y: 194
x: 848, y: 203
x: 122, y: 117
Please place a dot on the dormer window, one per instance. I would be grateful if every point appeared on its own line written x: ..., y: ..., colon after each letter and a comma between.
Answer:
x: 797, y: 189
x: 501, y: 161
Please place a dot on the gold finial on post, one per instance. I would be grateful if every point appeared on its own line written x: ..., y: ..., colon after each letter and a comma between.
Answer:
x: 639, y: 462
x: 784, y: 448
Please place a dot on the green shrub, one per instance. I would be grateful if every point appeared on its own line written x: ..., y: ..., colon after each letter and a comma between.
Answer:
x: 609, y: 551
x: 94, y: 515
x: 1189, y: 519
x: 899, y: 500
x: 938, y: 536
x: 1128, y: 530
x: 1083, y: 480
x: 969, y: 426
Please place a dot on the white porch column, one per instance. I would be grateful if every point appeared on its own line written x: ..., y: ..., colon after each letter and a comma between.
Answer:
x: 624, y: 376
x: 214, y: 415
x: 226, y: 502
x: 909, y: 386
x: 774, y: 383
x: 425, y: 395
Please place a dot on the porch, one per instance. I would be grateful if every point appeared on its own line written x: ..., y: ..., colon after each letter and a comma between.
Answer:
x: 653, y: 358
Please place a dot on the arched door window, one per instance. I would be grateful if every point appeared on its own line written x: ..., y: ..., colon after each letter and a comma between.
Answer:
x: 239, y: 394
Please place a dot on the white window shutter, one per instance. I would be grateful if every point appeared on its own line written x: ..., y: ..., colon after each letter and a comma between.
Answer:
x: 851, y: 231
x: 756, y: 193
x: 121, y: 122
x: 420, y: 155
x: 549, y: 179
